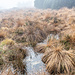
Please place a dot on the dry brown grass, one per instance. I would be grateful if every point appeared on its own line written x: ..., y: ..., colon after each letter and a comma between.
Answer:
x: 69, y: 37
x: 32, y: 34
x: 9, y: 72
x: 5, y: 21
x: 69, y: 30
x: 32, y: 27
x: 12, y: 53
x: 35, y: 35
x: 42, y: 47
x: 20, y: 22
x: 58, y: 60
x: 68, y: 41
x: 2, y: 35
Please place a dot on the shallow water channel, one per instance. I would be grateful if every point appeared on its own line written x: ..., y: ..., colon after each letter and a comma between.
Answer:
x: 33, y: 62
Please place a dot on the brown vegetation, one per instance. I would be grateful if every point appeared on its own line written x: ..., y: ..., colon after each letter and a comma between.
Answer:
x: 12, y: 53
x: 29, y: 28
x: 2, y: 35
x: 59, y: 60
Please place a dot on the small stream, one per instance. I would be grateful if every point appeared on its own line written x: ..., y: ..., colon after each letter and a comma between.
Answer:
x: 33, y: 62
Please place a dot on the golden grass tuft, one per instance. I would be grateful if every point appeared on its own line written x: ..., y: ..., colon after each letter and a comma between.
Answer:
x: 69, y: 30
x: 7, y: 42
x: 12, y: 53
x: 9, y: 72
x: 59, y: 60
x: 68, y: 41
x: 41, y: 47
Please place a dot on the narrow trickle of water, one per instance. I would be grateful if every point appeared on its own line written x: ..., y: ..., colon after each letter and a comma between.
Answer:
x: 33, y: 62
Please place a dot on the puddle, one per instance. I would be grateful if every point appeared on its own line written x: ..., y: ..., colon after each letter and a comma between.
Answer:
x: 33, y: 62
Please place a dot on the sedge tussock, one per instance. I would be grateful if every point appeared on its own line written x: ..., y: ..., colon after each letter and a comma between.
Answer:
x: 58, y: 60
x: 12, y: 53
x: 2, y: 35
x: 42, y: 47
x: 68, y: 41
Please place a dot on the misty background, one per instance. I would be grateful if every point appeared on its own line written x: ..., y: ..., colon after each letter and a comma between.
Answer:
x: 41, y: 4
x: 7, y: 4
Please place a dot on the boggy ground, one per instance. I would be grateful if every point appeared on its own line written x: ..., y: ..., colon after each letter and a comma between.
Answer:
x: 27, y: 27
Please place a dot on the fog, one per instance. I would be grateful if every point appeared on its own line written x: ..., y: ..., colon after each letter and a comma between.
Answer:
x: 7, y: 4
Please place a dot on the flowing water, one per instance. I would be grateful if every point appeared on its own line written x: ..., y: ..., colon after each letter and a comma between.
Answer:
x: 33, y: 62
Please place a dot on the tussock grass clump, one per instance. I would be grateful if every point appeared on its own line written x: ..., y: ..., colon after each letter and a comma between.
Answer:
x: 9, y: 72
x: 19, y: 31
x: 71, y: 20
x: 42, y: 47
x: 20, y: 22
x: 17, y: 34
x: 59, y: 60
x: 7, y: 42
x: 69, y: 37
x: 2, y: 35
x: 12, y: 53
x: 69, y: 30
x: 34, y: 35
x: 68, y: 41
x: 4, y: 50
